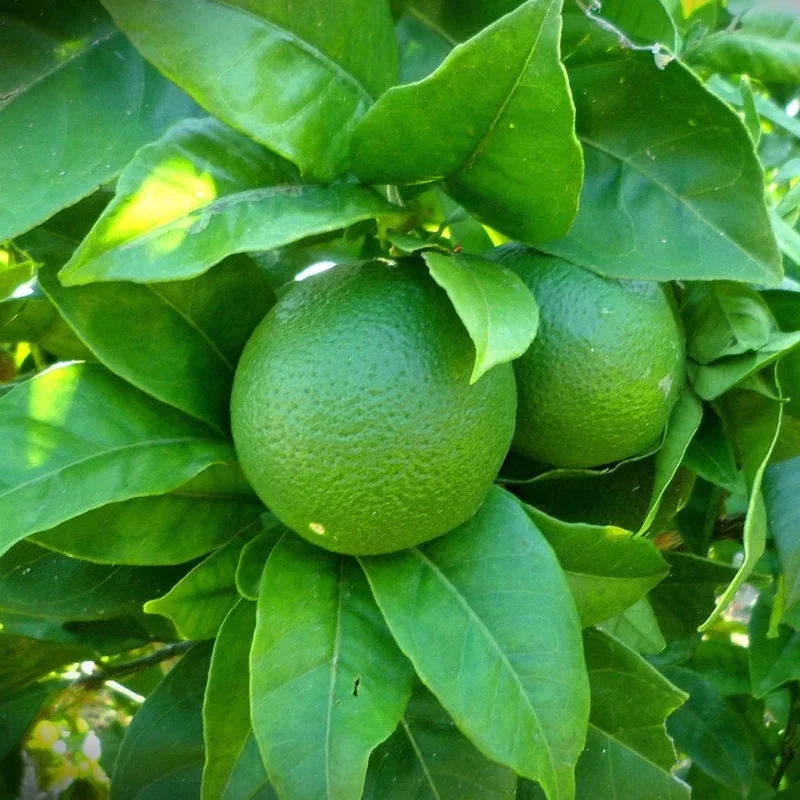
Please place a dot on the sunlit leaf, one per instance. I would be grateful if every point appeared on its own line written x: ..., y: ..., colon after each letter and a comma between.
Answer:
x: 79, y: 426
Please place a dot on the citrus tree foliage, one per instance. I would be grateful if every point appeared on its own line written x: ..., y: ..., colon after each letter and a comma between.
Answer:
x: 169, y: 169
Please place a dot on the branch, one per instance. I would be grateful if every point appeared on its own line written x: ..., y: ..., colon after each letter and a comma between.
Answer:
x: 115, y: 671
x: 789, y: 742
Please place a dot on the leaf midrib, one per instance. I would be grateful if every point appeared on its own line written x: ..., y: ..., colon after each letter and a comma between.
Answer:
x: 418, y: 753
x: 481, y: 146
x: 7, y: 99
x: 112, y: 451
x: 305, y: 46
x: 682, y: 200
x: 496, y: 646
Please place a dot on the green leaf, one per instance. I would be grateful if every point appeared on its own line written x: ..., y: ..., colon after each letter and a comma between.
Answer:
x: 428, y: 758
x: 41, y: 583
x: 333, y: 651
x: 765, y: 45
x: 630, y: 702
x: 495, y: 305
x: 172, y: 528
x: 296, y: 77
x: 422, y: 49
x: 508, y: 666
x: 749, y: 110
x: 78, y: 425
x: 637, y: 627
x: 253, y: 559
x: 711, y: 381
x: 24, y: 659
x: 204, y: 192
x: 76, y: 102
x: 681, y: 428
x: 233, y: 769
x: 773, y: 661
x: 199, y: 602
x: 34, y: 319
x: 19, y: 709
x: 162, y: 753
x: 787, y: 237
x: 205, y: 321
x: 628, y: 753
x: 686, y: 597
x: 710, y: 733
x: 710, y: 455
x: 505, y: 148
x: 723, y: 318
x: 658, y: 146
x: 723, y: 664
x: 782, y: 499
x: 607, y: 569
x: 753, y: 422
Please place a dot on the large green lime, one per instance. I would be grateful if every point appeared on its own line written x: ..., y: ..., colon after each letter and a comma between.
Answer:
x: 353, y: 415
x: 599, y: 381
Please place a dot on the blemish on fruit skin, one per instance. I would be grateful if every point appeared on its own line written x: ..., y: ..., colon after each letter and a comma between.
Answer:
x: 317, y: 528
x: 665, y: 384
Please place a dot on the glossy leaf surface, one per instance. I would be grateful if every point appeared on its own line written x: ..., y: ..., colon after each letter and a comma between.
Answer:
x: 496, y: 307
x: 508, y: 667
x: 505, y: 147
x: 606, y: 568
x: 332, y: 650
x: 296, y: 77
x: 76, y: 102
x: 659, y: 151
x: 199, y: 602
x: 80, y: 426
x: 171, y: 528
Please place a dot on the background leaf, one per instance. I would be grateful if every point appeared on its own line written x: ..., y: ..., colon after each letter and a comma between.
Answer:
x: 428, y: 758
x: 508, y: 666
x: 199, y: 602
x: 505, y: 148
x: 77, y: 102
x: 171, y: 528
x: 253, y: 559
x: 636, y: 627
x: 162, y: 753
x: 774, y: 660
x: 710, y: 733
x: 606, y: 568
x: 753, y: 422
x: 723, y: 318
x: 765, y: 45
x: 496, y: 307
x: 42, y: 583
x: 334, y: 652
x: 80, y: 423
x: 233, y: 768
x: 781, y: 493
x: 687, y: 596
x: 295, y: 77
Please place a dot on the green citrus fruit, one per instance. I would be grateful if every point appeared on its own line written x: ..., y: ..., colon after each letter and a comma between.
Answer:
x: 600, y: 379
x: 353, y: 415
